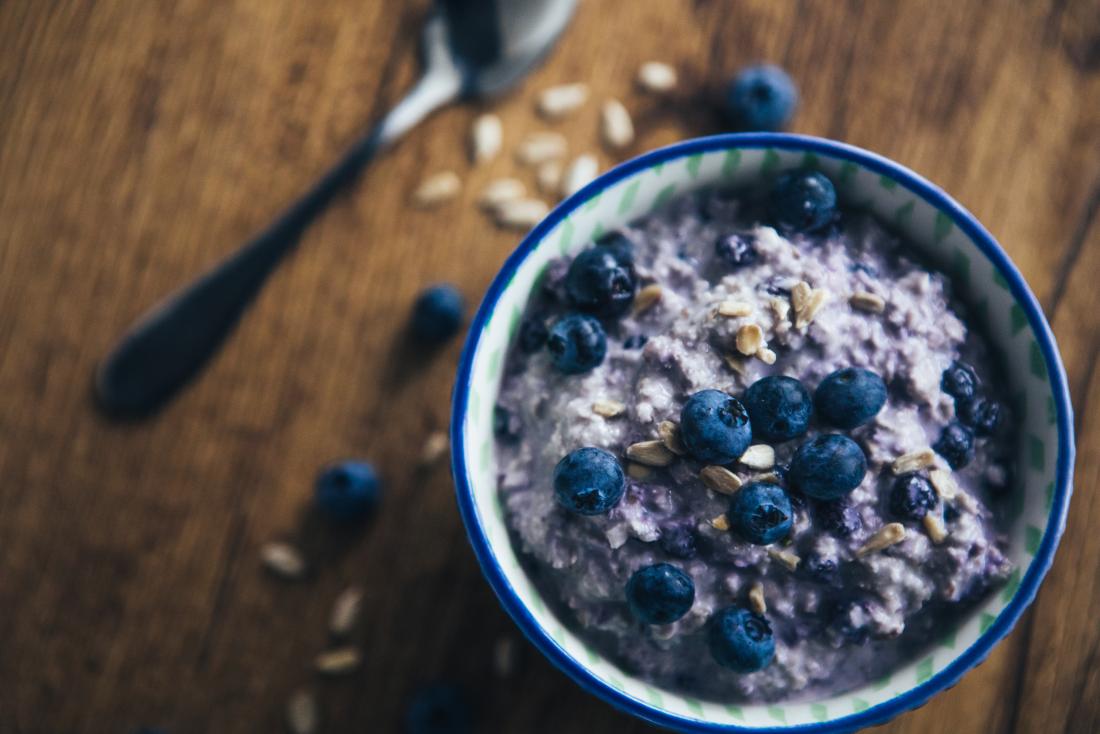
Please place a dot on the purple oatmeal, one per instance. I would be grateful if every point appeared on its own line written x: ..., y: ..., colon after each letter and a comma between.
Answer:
x: 850, y: 574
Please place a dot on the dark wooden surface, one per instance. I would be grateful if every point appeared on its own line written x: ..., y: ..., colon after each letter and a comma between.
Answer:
x: 140, y: 140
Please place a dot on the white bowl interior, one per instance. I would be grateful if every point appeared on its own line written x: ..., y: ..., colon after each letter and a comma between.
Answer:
x: 934, y: 233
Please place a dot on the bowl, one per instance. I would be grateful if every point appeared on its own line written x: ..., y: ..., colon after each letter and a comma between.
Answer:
x: 950, y: 238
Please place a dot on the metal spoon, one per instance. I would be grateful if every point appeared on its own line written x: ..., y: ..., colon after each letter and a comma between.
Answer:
x: 471, y: 48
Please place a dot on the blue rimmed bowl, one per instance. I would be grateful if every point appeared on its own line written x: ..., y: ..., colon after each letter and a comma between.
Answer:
x: 947, y: 235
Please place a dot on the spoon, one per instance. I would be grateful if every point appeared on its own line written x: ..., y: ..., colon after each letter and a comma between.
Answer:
x: 471, y: 48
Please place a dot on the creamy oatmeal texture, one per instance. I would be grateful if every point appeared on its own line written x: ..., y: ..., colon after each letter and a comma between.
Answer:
x: 805, y: 307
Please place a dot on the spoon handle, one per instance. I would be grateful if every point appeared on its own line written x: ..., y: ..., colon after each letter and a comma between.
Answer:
x: 171, y: 343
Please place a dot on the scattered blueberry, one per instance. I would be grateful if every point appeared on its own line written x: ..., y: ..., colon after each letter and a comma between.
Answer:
x: 715, y: 427
x: 601, y: 280
x: 619, y: 244
x: 437, y: 314
x: 847, y: 618
x: 635, y: 341
x: 740, y: 640
x: 802, y: 201
x: 959, y: 381
x: 761, y: 98
x: 736, y: 250
x: 956, y: 444
x: 678, y: 541
x: 838, y: 517
x: 577, y: 344
x: 981, y: 415
x: 438, y: 709
x: 532, y: 334
x: 347, y: 491
x: 849, y: 397
x: 911, y: 497
x: 660, y: 594
x: 506, y: 426
x: 589, y: 481
x: 761, y: 513
x: 823, y: 569
x: 779, y: 408
x: 828, y: 466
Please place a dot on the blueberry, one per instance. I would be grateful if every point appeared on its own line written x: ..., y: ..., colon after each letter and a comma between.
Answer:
x: 761, y: 98
x: 715, y: 427
x: 981, y: 415
x: 347, y: 491
x: 437, y: 314
x: 838, y: 517
x: 635, y: 341
x: 601, y: 280
x: 619, y: 244
x: 817, y: 567
x: 956, y: 444
x: 911, y: 497
x: 660, y: 594
x: 760, y: 512
x: 506, y: 426
x: 438, y: 709
x: 678, y: 541
x: 847, y: 619
x: 959, y: 381
x: 740, y: 640
x: 849, y: 397
x: 735, y: 250
x: 828, y: 466
x: 532, y: 334
x: 802, y: 201
x: 779, y: 408
x: 577, y: 344
x: 589, y: 481
x: 950, y: 512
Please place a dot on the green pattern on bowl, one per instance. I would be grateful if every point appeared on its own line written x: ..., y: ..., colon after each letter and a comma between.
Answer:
x: 936, y: 235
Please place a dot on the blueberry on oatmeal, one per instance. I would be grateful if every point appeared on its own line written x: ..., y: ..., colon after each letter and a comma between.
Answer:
x: 802, y: 201
x: 741, y: 640
x: 760, y: 513
x: 779, y: 408
x: 532, y: 335
x: 982, y: 416
x: 659, y: 594
x: 588, y: 481
x: 960, y: 381
x: 601, y: 281
x: 955, y: 444
x: 577, y: 344
x: 850, y: 397
x: 735, y: 251
x: 837, y: 517
x: 828, y: 466
x: 911, y: 497
x: 715, y: 427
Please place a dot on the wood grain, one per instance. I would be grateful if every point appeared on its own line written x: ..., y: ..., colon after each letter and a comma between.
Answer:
x: 141, y: 140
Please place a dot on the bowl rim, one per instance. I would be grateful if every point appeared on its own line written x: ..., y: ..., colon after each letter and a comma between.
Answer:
x: 983, y: 240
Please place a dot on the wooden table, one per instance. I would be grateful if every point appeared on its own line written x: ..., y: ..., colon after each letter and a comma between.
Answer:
x: 140, y: 140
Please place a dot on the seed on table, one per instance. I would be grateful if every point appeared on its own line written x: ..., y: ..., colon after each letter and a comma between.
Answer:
x: 301, y: 713
x: 749, y: 340
x: 548, y: 177
x: 758, y: 456
x: 720, y: 479
x: 914, y: 461
x: 501, y: 190
x: 670, y: 437
x: 340, y: 661
x: 890, y: 534
x: 345, y: 611
x: 650, y: 453
x: 283, y: 560
x: 616, y: 125
x: 540, y: 147
x: 437, y: 189
x: 756, y: 598
x: 521, y: 213
x: 579, y: 173
x: 656, y: 76
x: 486, y: 135
x: 435, y: 448
x: 557, y: 102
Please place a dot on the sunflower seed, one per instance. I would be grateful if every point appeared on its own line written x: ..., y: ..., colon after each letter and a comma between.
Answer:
x: 339, y: 661
x: 770, y: 477
x: 638, y: 471
x: 734, y: 309
x: 521, y: 213
x: 548, y: 177
x: 933, y: 525
x: 301, y: 713
x: 504, y: 657
x: 758, y: 456
x: 720, y: 479
x: 437, y: 189
x: 756, y: 598
x: 914, y: 461
x: 499, y: 191
x: 766, y: 355
x: 540, y: 147
x: 781, y: 308
x: 284, y: 560
x: 806, y: 302
x: 647, y: 298
x: 608, y: 408
x: 345, y: 611
x: 578, y: 174
x: 944, y: 483
x: 656, y: 76
x: 869, y: 302
x: 670, y: 436
x: 650, y: 453
x: 486, y: 135
x: 557, y: 102
x: 888, y: 535
x: 616, y: 125
x: 720, y: 523
x: 750, y: 338
x: 789, y: 560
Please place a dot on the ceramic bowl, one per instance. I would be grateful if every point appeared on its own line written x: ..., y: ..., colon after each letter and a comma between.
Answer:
x: 948, y: 236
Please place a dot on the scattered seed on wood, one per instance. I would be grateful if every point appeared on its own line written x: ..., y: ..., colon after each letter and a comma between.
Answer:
x: 521, y: 213
x: 758, y: 456
x: 345, y: 611
x: 656, y: 77
x: 647, y: 298
x: 486, y: 135
x: 540, y: 147
x: 301, y: 713
x: 933, y: 525
x: 437, y: 189
x: 720, y: 479
x: 888, y: 535
x: 914, y: 461
x: 766, y: 355
x: 435, y: 448
x: 616, y: 125
x: 579, y: 173
x: 750, y: 338
x: 499, y: 191
x: 944, y: 483
x: 734, y: 309
x: 608, y: 408
x: 789, y: 560
x: 720, y: 523
x: 756, y: 598
x: 650, y: 453
x: 283, y: 560
x: 557, y: 102
x: 339, y: 661
x: 806, y: 302
x: 505, y: 654
x: 548, y: 177
x: 869, y: 302
x: 670, y: 436
x: 638, y: 471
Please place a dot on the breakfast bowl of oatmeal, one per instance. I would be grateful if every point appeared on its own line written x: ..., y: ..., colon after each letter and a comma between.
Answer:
x: 757, y: 432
